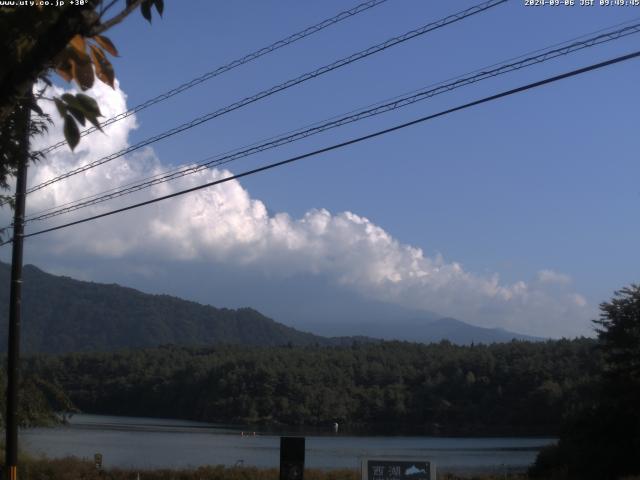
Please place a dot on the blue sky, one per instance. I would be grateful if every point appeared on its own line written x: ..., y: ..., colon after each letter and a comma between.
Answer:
x: 543, y: 181
x: 546, y: 179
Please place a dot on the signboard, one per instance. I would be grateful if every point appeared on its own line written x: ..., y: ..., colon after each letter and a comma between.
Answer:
x: 397, y: 468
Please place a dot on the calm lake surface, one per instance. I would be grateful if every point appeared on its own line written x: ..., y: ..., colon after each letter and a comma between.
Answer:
x: 161, y: 443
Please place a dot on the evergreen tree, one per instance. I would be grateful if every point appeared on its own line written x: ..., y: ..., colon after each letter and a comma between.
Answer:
x: 601, y: 438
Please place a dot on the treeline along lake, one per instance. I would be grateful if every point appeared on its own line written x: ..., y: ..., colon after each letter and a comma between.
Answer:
x: 516, y: 388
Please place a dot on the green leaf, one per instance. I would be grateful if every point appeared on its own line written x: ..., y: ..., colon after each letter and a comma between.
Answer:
x: 71, y: 132
x: 159, y: 6
x: 145, y: 9
x: 62, y: 108
x: 76, y: 108
x: 77, y: 114
x: 71, y: 100
x: 88, y: 108
x: 89, y: 105
x: 93, y: 119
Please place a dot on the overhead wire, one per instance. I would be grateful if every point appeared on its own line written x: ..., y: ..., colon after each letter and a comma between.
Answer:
x: 362, y: 7
x: 450, y: 19
x: 352, y: 141
x: 523, y: 61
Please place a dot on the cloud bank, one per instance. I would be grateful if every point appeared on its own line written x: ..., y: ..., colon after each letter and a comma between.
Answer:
x: 225, y: 225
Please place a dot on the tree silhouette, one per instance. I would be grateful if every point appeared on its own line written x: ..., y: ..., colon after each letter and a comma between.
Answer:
x: 600, y: 439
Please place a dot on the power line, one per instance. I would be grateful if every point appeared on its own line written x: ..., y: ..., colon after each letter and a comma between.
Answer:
x: 283, y: 86
x: 290, y: 83
x: 451, y: 79
x: 270, y: 166
x: 395, y: 103
x: 230, y: 66
x: 180, y: 167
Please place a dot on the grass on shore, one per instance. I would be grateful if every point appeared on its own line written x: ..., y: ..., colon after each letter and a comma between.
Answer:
x: 72, y: 468
x: 79, y: 469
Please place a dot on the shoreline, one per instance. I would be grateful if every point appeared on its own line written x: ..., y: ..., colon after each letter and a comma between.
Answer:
x: 348, y: 430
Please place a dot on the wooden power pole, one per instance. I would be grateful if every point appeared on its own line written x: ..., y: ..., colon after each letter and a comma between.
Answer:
x: 15, y: 301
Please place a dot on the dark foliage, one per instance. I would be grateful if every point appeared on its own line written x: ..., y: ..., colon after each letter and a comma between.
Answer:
x: 600, y: 439
x: 12, y: 139
x: 39, y: 400
x: 512, y: 388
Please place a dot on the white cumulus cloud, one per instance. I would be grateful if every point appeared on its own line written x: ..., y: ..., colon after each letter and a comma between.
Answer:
x: 225, y: 225
x: 551, y: 277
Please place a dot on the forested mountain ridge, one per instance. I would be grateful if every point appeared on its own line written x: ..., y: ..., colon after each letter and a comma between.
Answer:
x: 61, y: 314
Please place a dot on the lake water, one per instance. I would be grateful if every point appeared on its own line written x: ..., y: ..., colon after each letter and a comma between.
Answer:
x: 161, y: 443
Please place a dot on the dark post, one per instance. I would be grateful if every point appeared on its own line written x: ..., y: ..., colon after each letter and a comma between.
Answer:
x: 291, y: 458
x: 15, y: 306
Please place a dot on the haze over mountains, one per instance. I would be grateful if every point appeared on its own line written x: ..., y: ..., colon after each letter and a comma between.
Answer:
x: 334, y: 311
x: 63, y: 315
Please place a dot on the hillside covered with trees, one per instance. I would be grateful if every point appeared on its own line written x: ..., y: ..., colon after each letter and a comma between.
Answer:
x: 62, y: 314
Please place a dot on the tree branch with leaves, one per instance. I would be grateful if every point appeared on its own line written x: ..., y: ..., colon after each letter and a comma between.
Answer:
x: 68, y: 40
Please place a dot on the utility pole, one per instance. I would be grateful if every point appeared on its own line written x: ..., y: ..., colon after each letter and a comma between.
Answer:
x: 15, y: 301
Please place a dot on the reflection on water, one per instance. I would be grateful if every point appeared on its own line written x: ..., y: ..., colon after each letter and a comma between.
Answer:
x: 164, y: 443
